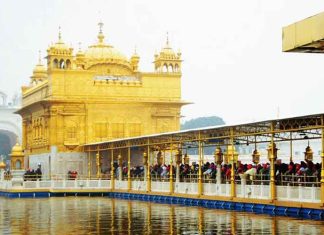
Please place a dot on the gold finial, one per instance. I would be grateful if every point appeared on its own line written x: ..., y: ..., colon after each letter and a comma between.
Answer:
x: 100, y: 26
x: 60, y: 35
x: 167, y: 39
x: 39, y: 57
x: 79, y: 46
x: 135, y: 50
x: 100, y: 35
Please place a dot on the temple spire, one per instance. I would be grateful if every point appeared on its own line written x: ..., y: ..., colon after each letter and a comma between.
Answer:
x: 100, y: 35
x: 60, y: 34
x: 167, y: 39
x: 39, y: 57
x: 100, y: 26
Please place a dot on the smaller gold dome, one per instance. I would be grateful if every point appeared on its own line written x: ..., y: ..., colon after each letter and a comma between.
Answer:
x: 39, y: 72
x: 2, y: 165
x: 17, y: 150
x: 80, y: 53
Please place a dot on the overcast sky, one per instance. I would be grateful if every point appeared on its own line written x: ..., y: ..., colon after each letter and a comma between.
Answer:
x: 233, y: 65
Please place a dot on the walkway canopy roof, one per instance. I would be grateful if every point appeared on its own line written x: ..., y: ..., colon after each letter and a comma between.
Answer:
x: 304, y: 36
x: 284, y: 129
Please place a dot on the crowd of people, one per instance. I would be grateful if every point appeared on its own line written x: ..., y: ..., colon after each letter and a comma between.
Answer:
x: 33, y: 175
x: 305, y: 172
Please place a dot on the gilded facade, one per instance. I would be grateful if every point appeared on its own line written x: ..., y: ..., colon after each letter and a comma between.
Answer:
x: 95, y: 95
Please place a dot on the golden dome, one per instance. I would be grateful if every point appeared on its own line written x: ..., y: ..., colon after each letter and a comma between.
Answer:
x: 60, y: 48
x: 39, y: 68
x: 17, y: 150
x: 104, y: 52
x: 2, y: 165
x: 101, y: 53
x: 39, y: 72
x: 167, y: 53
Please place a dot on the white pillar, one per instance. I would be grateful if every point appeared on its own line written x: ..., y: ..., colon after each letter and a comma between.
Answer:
x: 120, y: 173
x: 178, y: 174
x: 145, y: 172
x: 218, y: 174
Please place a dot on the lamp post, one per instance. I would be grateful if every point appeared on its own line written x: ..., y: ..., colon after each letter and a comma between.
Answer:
x: 148, y: 169
x: 233, y: 156
x: 112, y: 177
x: 129, y: 182
x: 272, y: 156
x: 98, y: 164
x: 120, y: 167
x: 218, y: 155
x: 178, y: 156
x: 145, y: 165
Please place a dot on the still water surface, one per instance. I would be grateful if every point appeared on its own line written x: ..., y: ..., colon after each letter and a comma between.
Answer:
x: 96, y: 215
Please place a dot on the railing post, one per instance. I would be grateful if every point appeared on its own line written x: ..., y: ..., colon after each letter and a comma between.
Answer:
x: 233, y: 192
x: 148, y: 183
x: 171, y: 170
x: 112, y: 180
x: 272, y: 157
x: 129, y: 182
x: 200, y: 184
x: 98, y: 164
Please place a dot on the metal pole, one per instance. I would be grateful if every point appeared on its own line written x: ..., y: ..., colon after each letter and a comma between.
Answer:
x: 148, y: 167
x: 112, y: 181
x: 291, y: 148
x: 128, y: 170
x: 232, y: 167
x: 272, y: 166
x: 98, y: 164
x: 200, y: 186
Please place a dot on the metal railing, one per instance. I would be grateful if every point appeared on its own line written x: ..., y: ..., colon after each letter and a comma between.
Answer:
x: 299, y: 180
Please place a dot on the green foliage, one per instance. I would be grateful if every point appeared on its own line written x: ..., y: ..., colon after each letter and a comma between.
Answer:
x: 202, y: 122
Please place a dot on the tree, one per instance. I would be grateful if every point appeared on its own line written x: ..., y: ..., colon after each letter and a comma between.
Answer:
x: 202, y: 122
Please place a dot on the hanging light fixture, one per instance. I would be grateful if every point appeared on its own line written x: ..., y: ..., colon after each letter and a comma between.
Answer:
x: 218, y: 155
x: 144, y: 158
x: 159, y: 158
x: 186, y: 159
x: 178, y: 155
x: 255, y: 154
x: 308, y: 153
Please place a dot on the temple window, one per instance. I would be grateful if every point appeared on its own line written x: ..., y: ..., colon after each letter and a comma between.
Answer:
x: 170, y: 68
x: 118, y: 130
x: 18, y: 165
x: 68, y: 64
x: 101, y: 130
x: 176, y: 68
x: 62, y: 64
x: 55, y: 63
x: 71, y: 132
x: 134, y: 129
x: 165, y: 68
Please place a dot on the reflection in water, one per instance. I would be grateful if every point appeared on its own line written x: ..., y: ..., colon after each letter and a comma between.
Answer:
x: 83, y: 215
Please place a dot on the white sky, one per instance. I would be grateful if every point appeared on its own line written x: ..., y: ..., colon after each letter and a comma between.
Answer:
x: 233, y: 65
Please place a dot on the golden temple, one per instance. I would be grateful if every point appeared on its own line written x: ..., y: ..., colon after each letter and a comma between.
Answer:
x: 95, y: 95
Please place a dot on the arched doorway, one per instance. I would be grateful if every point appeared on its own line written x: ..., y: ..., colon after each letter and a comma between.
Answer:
x: 7, y: 141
